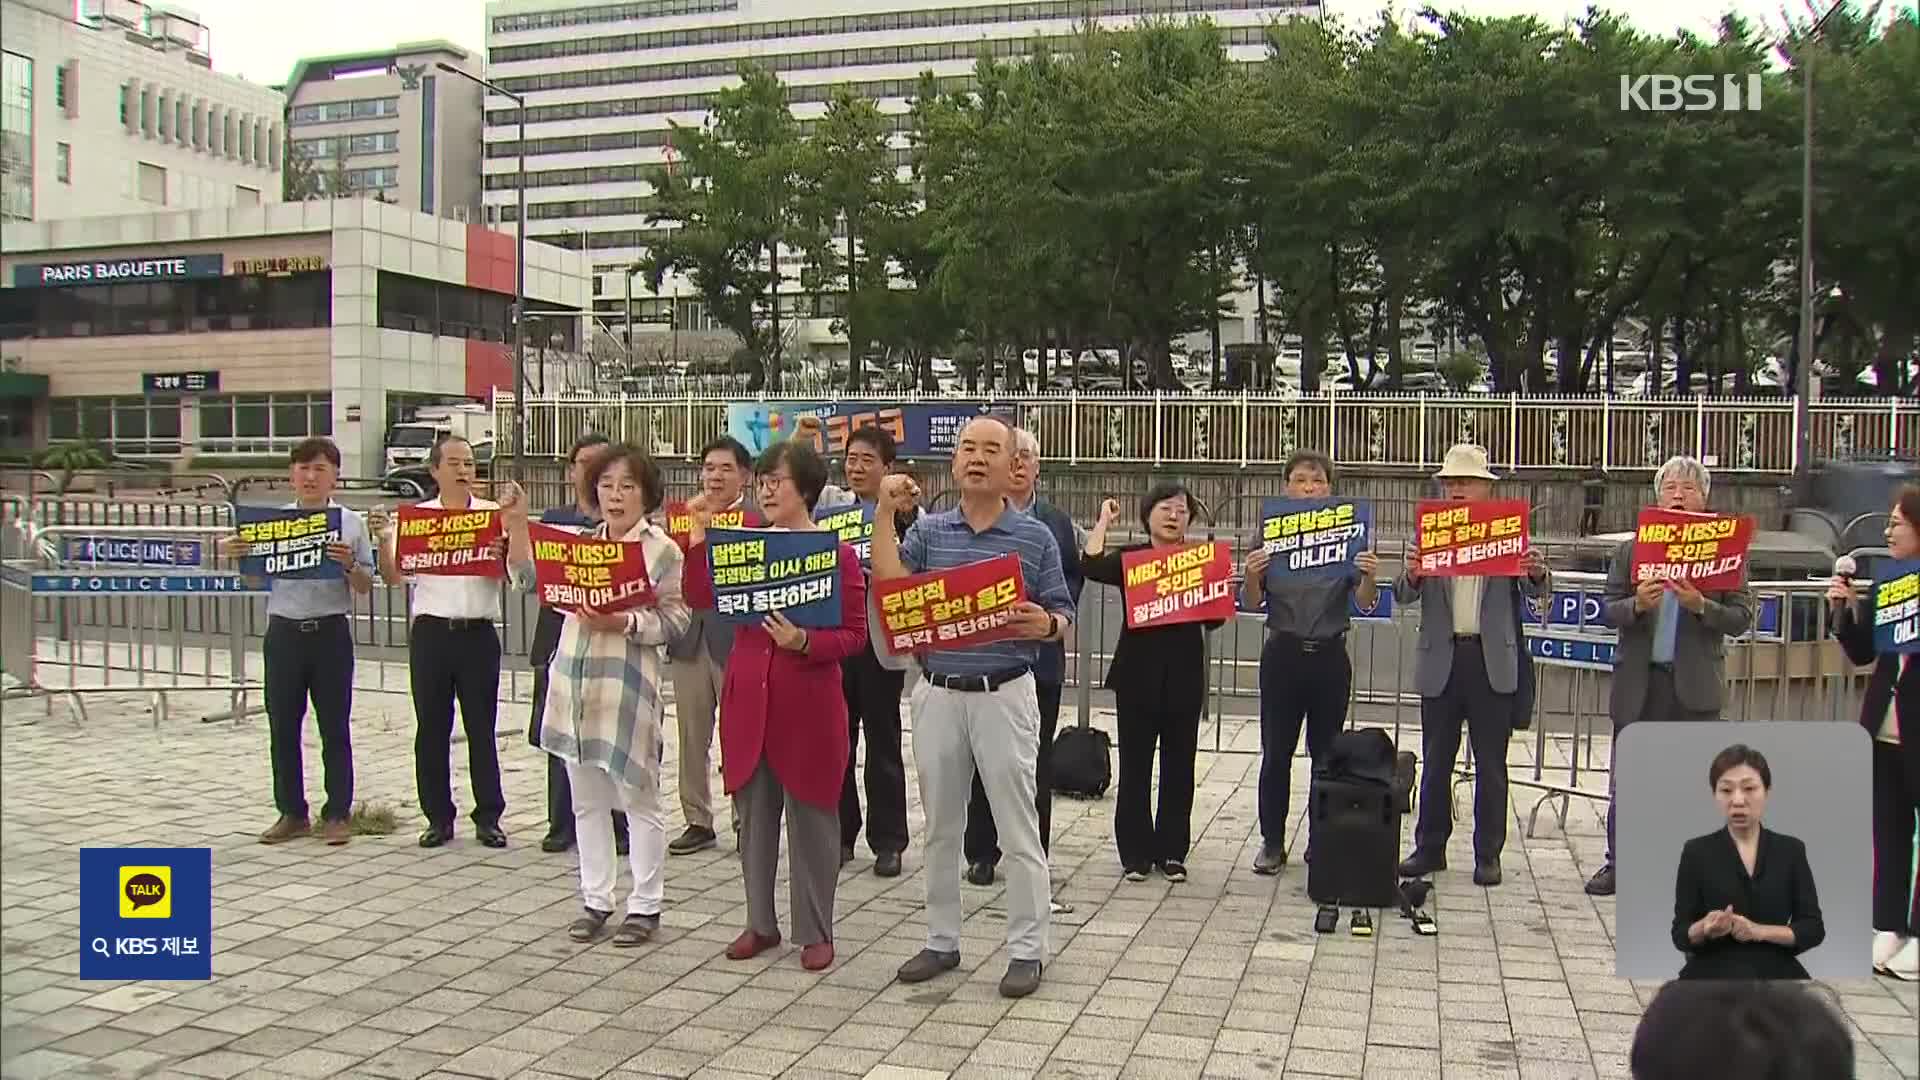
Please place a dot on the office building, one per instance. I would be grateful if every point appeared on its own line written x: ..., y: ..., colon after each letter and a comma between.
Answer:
x: 122, y: 112
x: 215, y: 335
x: 603, y: 81
x: 391, y: 124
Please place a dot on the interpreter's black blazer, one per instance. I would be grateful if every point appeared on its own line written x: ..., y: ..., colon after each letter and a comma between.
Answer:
x: 1164, y: 666
x: 1780, y: 892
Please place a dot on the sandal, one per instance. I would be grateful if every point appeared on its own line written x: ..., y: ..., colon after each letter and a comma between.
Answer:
x: 587, y: 926
x: 636, y: 930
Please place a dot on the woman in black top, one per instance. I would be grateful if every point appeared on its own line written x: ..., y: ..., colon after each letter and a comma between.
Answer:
x: 1744, y: 903
x: 1159, y: 681
x: 1891, y: 715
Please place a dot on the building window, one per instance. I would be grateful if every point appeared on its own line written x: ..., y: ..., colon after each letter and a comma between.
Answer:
x: 153, y: 184
x: 386, y: 176
x: 326, y: 149
x: 182, y: 125
x: 335, y: 111
x: 63, y: 163
x: 16, y: 137
x: 262, y: 423
x: 146, y: 111
x: 239, y: 302
x: 435, y: 307
x: 126, y: 97
x: 128, y: 426
x: 60, y: 87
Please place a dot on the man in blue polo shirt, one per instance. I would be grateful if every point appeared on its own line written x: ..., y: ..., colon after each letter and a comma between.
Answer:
x: 978, y: 707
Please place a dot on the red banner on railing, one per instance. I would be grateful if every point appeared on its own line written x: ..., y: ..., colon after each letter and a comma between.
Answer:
x: 1472, y: 539
x: 455, y: 543
x: 1709, y: 550
x: 950, y: 609
x: 1165, y: 586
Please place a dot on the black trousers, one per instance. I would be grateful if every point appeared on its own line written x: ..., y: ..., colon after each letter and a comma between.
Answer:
x: 559, y: 788
x: 1300, y: 681
x: 873, y: 703
x: 982, y: 842
x: 310, y: 659
x: 1896, y: 805
x: 1468, y: 700
x: 1147, y: 720
x: 451, y: 662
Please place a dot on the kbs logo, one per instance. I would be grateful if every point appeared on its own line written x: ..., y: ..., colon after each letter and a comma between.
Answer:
x: 146, y: 892
x: 1689, y: 93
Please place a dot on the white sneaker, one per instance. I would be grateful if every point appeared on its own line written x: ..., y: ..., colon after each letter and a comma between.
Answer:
x: 1905, y: 964
x: 1886, y: 945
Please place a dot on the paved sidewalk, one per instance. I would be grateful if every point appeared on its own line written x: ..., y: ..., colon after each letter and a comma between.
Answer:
x: 383, y: 960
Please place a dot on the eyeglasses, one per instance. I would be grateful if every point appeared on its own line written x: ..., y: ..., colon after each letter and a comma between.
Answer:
x: 774, y: 480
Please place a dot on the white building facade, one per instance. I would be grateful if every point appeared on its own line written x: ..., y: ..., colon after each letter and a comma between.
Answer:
x: 604, y: 81
x: 122, y: 113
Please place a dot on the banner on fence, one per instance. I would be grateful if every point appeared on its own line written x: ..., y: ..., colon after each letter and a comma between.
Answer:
x: 122, y: 582
x: 760, y: 571
x: 454, y: 543
x: 1313, y: 538
x: 133, y: 551
x: 952, y: 608
x: 1708, y: 550
x: 288, y: 543
x: 680, y: 521
x: 1486, y: 538
x: 917, y: 430
x: 853, y: 525
x: 573, y: 571
x: 1165, y: 586
x: 1896, y: 607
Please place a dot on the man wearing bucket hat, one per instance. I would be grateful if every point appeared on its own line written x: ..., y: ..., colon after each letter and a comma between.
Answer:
x: 1467, y: 669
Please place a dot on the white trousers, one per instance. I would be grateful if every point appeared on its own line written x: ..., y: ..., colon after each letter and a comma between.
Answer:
x: 595, y: 796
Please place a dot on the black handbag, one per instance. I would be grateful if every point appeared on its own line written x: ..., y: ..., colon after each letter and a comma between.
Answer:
x: 1082, y: 762
x: 1523, y: 686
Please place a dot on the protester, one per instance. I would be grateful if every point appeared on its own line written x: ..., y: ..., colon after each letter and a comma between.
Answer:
x: 1467, y: 668
x: 1305, y: 672
x: 1158, y: 677
x: 699, y: 657
x: 582, y: 516
x: 453, y: 653
x: 982, y: 846
x: 309, y: 654
x: 783, y: 723
x: 1743, y: 1029
x: 978, y: 707
x: 1670, y: 663
x: 872, y: 679
x: 1891, y: 714
x: 603, y: 710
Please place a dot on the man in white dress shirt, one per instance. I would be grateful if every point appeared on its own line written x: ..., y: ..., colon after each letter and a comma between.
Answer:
x: 453, y: 654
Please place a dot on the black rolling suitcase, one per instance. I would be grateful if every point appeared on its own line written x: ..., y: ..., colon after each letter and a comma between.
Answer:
x: 1354, y: 808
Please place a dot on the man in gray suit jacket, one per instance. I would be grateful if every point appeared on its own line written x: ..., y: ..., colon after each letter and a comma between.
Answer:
x: 697, y: 662
x: 1671, y: 660
x: 1467, y: 669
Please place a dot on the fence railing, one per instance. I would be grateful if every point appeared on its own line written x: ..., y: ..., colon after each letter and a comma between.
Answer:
x: 1414, y: 430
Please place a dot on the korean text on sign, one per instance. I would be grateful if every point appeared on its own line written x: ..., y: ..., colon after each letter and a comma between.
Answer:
x: 680, y: 521
x: 1896, y: 608
x: 1708, y: 550
x: 1467, y: 539
x: 573, y: 571
x: 284, y: 543
x: 952, y: 608
x: 756, y: 572
x: 1165, y: 586
x: 1313, y: 538
x: 854, y: 526
x: 457, y: 543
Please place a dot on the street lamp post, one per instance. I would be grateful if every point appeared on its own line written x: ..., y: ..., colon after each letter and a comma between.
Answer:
x: 1803, y: 372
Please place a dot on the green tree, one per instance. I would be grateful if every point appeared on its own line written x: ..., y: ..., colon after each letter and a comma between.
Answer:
x: 70, y: 458
x: 299, y: 178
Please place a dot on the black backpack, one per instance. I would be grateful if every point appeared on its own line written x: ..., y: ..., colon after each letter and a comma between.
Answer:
x: 1367, y: 755
x: 1082, y: 762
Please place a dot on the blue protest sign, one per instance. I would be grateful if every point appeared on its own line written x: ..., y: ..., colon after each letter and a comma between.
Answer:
x: 146, y: 913
x: 133, y: 551
x: 1896, y: 607
x: 289, y: 543
x: 1313, y: 538
x: 853, y: 525
x: 759, y: 571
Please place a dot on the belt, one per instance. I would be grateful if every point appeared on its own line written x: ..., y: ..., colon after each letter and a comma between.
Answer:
x: 1308, y: 644
x: 978, y: 684
x: 1668, y: 668
x: 307, y: 626
x: 1459, y: 638
x: 454, y: 624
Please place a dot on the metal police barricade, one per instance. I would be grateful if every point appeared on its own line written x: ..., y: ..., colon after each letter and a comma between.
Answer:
x: 135, y: 609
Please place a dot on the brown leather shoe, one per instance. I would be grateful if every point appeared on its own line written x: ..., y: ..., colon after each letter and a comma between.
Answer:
x: 336, y: 832
x: 286, y: 829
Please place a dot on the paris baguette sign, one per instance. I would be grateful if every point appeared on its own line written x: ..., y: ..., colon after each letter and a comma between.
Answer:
x: 110, y: 271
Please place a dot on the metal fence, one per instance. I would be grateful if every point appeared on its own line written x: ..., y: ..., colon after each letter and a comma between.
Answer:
x: 1412, y: 430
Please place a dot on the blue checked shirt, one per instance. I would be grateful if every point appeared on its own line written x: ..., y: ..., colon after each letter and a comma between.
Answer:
x: 319, y: 598
x: 941, y: 541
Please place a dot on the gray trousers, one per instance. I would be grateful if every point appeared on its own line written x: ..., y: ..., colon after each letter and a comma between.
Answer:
x: 813, y: 841
x: 696, y: 701
x: 1662, y: 705
x: 997, y: 732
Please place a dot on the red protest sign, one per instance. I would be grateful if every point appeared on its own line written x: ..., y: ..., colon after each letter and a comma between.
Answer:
x: 457, y: 543
x: 1165, y: 586
x: 571, y: 570
x: 680, y: 521
x: 1709, y: 550
x: 1472, y: 539
x: 950, y: 609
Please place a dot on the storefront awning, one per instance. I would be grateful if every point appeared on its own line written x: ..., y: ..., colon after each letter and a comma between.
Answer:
x: 20, y: 384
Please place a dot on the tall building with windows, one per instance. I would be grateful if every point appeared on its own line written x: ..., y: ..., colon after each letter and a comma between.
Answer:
x: 602, y: 82
x: 392, y: 124
x: 121, y: 112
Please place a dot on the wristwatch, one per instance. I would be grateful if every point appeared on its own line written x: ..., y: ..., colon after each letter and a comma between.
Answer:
x: 1053, y: 626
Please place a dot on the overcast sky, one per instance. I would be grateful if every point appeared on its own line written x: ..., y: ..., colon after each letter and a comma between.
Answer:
x: 261, y: 40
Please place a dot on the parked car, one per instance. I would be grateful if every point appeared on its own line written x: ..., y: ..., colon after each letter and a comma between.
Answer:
x: 415, y: 482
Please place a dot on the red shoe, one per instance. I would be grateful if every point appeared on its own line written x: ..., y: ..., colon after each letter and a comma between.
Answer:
x: 817, y: 957
x: 749, y: 945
